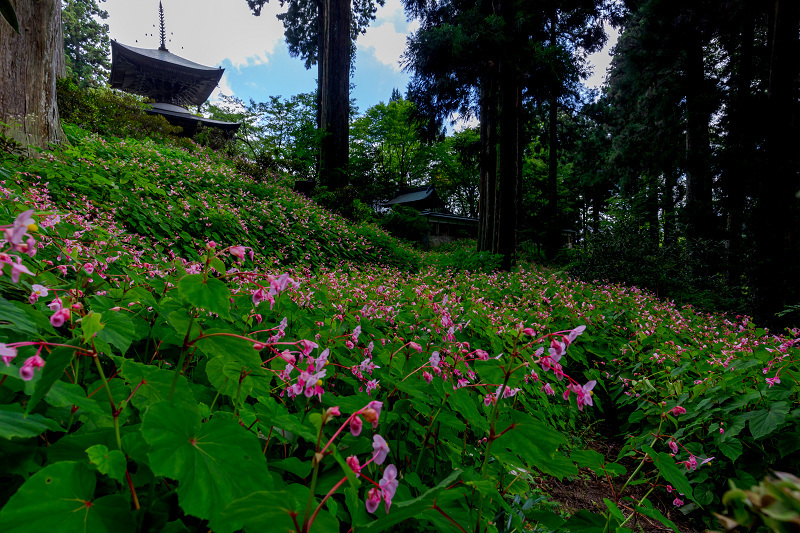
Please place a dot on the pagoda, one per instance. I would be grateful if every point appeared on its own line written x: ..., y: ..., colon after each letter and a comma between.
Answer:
x: 174, y: 83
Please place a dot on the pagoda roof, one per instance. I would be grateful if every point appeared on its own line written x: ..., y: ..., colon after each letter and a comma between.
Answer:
x: 161, y: 75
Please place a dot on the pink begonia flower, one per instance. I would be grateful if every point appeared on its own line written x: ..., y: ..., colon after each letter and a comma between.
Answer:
x: 356, y: 333
x: 435, y: 359
x: 307, y: 346
x: 489, y: 399
x: 287, y: 356
x: 322, y: 360
x: 528, y: 331
x: 427, y: 376
x: 556, y: 350
x: 371, y: 385
x: 19, y: 228
x: 574, y: 334
x: 388, y: 484
x: 349, y: 344
x: 30, y: 365
x: 482, y: 355
x: 29, y: 247
x: 58, y: 319
x: 88, y: 268
x: 373, y: 500
x: 772, y: 381
x: 677, y: 502
x: 584, y: 394
x: 380, y: 449
x: 354, y: 465
x: 333, y: 411
x: 55, y: 305
x: 259, y: 295
x: 37, y: 292
x: 691, y: 464
x: 415, y: 346
x: 7, y: 353
x: 17, y: 269
x: 375, y: 406
x: 669, y: 488
x: 548, y: 390
x: 238, y: 251
x: 673, y: 446
x: 678, y: 410
x: 355, y: 425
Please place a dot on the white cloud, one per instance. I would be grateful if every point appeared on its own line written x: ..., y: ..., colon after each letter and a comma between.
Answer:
x: 204, y: 31
x: 386, y: 36
x: 601, y: 60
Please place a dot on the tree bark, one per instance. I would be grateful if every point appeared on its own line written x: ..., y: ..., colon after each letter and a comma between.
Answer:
x: 775, y: 221
x: 553, y: 229
x: 334, y: 84
x: 30, y: 63
x: 487, y: 212
x: 509, y: 172
x: 698, y: 201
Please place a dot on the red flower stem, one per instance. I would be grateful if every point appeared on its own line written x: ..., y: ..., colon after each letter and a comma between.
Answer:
x: 330, y: 493
x: 439, y: 510
x: 133, y: 490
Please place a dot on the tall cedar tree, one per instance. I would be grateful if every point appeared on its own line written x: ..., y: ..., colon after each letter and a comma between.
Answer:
x: 30, y: 61
x: 86, y: 42
x: 489, y: 54
x: 321, y: 32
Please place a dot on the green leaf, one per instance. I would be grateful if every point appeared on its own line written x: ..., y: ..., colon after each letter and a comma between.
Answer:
x: 64, y: 394
x: 262, y: 511
x: 648, y: 510
x: 218, y: 265
x: 118, y: 330
x: 7, y: 10
x: 670, y: 471
x: 402, y: 511
x: 11, y: 315
x: 231, y: 348
x: 585, y: 522
x: 111, y: 463
x: 536, y: 443
x: 91, y: 324
x: 58, y: 360
x: 614, y: 510
x: 60, y: 498
x: 211, y: 294
x: 214, y: 462
x: 588, y: 459
x: 765, y: 421
x: 15, y: 423
x: 154, y: 384
x: 731, y: 448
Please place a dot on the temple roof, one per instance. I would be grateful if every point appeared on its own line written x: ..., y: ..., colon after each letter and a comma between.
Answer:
x: 423, y: 197
x: 161, y: 75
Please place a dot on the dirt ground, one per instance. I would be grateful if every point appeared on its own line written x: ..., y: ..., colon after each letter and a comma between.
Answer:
x: 587, y: 490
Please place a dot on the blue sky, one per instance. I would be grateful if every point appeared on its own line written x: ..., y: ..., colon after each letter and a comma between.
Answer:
x: 253, y: 52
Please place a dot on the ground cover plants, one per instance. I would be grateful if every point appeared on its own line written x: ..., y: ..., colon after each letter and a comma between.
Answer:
x: 257, y: 373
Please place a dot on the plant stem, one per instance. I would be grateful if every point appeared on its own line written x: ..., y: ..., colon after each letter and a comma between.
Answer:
x: 179, y: 368
x: 114, y: 412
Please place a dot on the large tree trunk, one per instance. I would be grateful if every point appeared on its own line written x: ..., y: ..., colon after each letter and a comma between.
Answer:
x: 334, y: 84
x: 509, y: 172
x: 30, y: 62
x: 698, y: 196
x: 487, y: 212
x: 775, y: 220
x: 553, y: 227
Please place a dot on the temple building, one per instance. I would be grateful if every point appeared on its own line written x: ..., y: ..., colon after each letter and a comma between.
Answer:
x: 174, y: 83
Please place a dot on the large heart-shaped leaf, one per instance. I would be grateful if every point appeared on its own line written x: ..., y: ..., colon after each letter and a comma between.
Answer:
x: 60, y: 497
x: 210, y: 294
x: 214, y: 462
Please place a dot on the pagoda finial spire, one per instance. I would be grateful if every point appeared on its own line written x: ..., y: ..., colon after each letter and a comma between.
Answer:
x: 162, y: 28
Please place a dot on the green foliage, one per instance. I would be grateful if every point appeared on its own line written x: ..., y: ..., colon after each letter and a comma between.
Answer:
x: 462, y: 255
x: 109, y: 112
x: 405, y: 223
x: 86, y: 42
x: 772, y: 505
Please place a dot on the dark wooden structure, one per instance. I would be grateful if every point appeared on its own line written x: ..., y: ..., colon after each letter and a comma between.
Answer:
x: 441, y: 221
x: 173, y: 82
